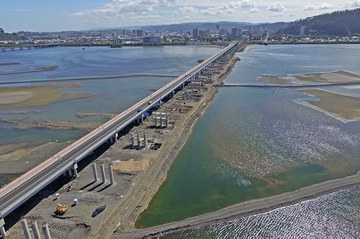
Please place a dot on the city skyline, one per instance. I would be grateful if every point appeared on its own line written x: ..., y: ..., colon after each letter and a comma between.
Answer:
x: 41, y: 15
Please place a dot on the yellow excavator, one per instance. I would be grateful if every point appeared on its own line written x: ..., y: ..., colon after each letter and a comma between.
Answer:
x: 61, y: 209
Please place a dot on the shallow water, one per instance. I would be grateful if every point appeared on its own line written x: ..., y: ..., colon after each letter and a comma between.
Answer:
x: 253, y: 143
x: 107, y: 95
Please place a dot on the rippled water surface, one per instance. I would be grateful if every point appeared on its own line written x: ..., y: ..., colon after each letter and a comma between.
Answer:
x: 254, y: 142
x: 336, y: 215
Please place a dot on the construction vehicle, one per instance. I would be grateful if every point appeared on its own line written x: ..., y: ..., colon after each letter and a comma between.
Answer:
x: 61, y: 209
x: 98, y: 210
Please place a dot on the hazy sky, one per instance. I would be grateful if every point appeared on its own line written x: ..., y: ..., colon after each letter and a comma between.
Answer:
x: 55, y: 15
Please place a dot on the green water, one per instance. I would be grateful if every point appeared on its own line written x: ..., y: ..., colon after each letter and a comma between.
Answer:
x: 253, y: 143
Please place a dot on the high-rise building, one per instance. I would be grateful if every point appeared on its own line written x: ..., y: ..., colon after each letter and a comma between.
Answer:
x: 195, y: 33
x: 236, y: 32
x: 139, y: 33
x: 302, y: 31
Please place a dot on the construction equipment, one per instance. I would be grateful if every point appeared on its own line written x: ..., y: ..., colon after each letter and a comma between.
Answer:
x: 98, y: 210
x: 61, y: 209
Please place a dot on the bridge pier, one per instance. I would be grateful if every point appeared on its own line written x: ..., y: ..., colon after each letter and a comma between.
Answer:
x: 25, y: 228
x: 96, y: 178
x: 103, y: 176
x: 112, y: 180
x: 2, y: 229
x: 75, y: 167
x: 46, y: 231
x: 35, y: 229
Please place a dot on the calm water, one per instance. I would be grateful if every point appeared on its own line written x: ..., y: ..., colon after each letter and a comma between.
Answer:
x: 253, y: 143
x: 107, y: 95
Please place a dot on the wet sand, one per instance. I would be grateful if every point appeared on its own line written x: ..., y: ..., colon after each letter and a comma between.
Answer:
x: 26, y: 96
x: 9, y: 63
x: 341, y: 107
x: 23, y: 124
x: 338, y: 77
x: 273, y: 80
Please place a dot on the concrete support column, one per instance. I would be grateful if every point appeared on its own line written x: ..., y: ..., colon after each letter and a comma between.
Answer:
x: 116, y: 136
x: 75, y: 167
x: 138, y: 141
x: 142, y: 117
x: 96, y: 178
x: 155, y: 121
x: 2, y: 228
x: 46, y: 231
x: 112, y: 180
x: 102, y: 170
x: 2, y: 232
x: 145, y: 140
x: 25, y: 228
x: 70, y: 173
x: 36, y: 231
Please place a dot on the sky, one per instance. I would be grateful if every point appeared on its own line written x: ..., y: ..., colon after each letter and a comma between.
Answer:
x: 58, y: 15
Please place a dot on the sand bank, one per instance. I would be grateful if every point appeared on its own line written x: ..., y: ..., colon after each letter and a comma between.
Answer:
x: 23, y: 124
x: 9, y: 63
x: 338, y: 77
x: 89, y: 114
x: 344, y: 108
x: 26, y: 96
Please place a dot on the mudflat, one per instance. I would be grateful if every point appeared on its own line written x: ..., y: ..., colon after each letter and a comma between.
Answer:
x: 342, y: 107
x: 25, y: 96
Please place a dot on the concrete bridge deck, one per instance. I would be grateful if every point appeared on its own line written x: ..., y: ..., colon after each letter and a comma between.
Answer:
x: 27, y: 185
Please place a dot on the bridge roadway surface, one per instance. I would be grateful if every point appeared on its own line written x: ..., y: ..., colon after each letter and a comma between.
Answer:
x: 27, y: 185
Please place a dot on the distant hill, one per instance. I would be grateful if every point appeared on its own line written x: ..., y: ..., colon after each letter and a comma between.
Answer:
x: 207, y: 26
x: 340, y: 23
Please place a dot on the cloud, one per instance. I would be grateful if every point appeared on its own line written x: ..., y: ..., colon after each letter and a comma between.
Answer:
x: 322, y: 6
x: 325, y: 6
x: 276, y: 7
x: 309, y: 7
x: 355, y: 3
x: 125, y: 7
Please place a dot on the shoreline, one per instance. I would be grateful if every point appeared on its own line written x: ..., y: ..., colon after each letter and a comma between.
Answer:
x: 247, y: 208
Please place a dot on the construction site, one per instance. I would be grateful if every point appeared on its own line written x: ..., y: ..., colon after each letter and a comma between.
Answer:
x: 115, y: 185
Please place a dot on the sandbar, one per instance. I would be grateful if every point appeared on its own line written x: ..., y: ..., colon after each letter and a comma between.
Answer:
x: 26, y: 96
x: 23, y: 124
x: 344, y: 108
x: 273, y: 80
x: 337, y: 77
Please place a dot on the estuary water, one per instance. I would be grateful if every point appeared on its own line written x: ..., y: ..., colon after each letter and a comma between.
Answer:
x: 106, y: 95
x: 254, y: 142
